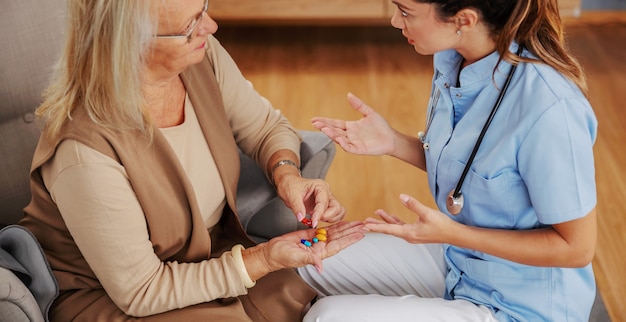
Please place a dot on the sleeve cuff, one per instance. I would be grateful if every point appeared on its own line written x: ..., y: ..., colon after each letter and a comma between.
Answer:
x: 241, y: 268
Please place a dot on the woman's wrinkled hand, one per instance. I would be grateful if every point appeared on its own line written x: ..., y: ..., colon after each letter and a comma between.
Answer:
x: 287, y: 251
x: 431, y: 226
x: 310, y: 197
x: 371, y: 135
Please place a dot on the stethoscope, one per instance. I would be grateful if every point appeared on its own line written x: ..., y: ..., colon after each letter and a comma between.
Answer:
x: 454, y: 202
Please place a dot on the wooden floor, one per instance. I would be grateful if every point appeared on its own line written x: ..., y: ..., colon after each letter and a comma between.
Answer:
x: 306, y: 71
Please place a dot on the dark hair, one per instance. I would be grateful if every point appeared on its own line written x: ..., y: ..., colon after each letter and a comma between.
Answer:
x: 535, y: 24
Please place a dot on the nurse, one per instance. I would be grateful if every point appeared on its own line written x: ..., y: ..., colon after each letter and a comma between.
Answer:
x: 508, y: 152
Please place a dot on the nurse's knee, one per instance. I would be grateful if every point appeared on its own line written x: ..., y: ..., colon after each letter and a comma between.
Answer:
x: 339, y: 308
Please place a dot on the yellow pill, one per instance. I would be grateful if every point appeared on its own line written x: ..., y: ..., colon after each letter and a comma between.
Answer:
x: 321, y: 231
x: 321, y: 237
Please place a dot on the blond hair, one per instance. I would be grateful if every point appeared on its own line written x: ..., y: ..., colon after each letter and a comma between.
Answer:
x: 101, y: 65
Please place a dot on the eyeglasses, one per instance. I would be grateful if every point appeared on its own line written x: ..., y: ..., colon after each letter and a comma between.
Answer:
x: 192, y: 26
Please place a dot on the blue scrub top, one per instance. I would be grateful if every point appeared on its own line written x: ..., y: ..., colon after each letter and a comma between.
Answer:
x: 534, y: 168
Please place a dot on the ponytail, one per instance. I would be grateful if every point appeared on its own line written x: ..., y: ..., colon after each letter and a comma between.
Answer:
x: 536, y: 25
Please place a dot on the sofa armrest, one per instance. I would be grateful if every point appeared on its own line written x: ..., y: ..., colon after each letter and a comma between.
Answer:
x: 264, y: 215
x: 29, y: 285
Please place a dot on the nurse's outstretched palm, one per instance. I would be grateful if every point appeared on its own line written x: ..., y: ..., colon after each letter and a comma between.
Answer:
x: 431, y: 225
x: 371, y: 135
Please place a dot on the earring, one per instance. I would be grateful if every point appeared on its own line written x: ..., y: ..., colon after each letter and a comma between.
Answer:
x: 459, y: 32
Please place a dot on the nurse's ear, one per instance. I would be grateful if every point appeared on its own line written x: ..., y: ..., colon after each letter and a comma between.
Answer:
x: 466, y: 19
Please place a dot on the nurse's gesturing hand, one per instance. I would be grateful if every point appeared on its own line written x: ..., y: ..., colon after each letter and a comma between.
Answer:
x: 431, y: 226
x: 371, y: 135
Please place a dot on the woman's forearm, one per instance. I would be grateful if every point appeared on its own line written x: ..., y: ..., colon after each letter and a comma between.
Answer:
x: 281, y: 164
x: 256, y: 262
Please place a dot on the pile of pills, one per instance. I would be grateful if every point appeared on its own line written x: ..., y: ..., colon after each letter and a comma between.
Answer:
x: 320, y: 235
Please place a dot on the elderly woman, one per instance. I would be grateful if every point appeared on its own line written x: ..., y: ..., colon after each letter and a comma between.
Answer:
x: 135, y: 174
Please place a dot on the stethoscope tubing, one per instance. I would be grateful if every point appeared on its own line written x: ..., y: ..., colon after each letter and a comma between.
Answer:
x: 496, y: 106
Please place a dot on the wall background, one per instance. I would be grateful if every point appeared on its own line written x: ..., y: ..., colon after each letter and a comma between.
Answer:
x: 603, y: 4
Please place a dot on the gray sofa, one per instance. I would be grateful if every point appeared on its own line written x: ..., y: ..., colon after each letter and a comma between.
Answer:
x: 30, y: 41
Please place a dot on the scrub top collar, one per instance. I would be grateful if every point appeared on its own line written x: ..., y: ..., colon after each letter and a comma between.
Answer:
x: 448, y: 62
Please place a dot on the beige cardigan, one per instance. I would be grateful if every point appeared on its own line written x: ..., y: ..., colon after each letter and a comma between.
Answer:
x: 180, y: 236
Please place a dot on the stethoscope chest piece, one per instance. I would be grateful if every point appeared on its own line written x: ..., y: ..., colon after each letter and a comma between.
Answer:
x: 454, y: 204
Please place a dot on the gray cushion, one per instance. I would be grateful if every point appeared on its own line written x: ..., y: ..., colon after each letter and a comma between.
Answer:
x: 598, y: 311
x: 16, y: 302
x: 31, y: 40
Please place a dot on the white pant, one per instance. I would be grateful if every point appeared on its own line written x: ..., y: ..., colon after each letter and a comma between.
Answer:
x: 384, y: 278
